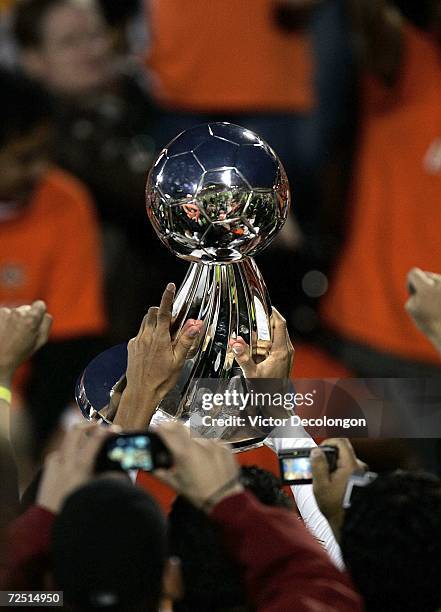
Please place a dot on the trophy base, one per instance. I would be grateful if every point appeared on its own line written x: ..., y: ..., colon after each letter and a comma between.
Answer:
x: 246, y: 445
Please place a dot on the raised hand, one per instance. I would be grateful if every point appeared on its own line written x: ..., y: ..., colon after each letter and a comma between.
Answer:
x: 204, y: 471
x: 424, y: 304
x: 154, y: 363
x: 23, y: 331
x: 72, y: 465
x: 278, y: 363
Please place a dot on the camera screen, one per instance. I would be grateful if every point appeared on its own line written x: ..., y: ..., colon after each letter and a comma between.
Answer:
x: 132, y: 453
x: 296, y: 468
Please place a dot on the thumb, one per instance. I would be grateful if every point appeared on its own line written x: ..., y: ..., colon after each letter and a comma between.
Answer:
x: 319, y: 467
x: 418, y: 280
x: 37, y: 310
x: 241, y: 352
x: 186, y: 339
x: 43, y: 332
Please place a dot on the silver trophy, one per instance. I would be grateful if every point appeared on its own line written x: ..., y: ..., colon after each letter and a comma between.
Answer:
x: 216, y: 196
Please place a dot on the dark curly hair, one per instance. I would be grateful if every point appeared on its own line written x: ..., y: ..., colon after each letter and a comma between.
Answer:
x: 391, y: 542
x: 212, y: 579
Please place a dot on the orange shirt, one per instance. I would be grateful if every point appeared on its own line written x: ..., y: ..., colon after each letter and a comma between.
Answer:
x: 227, y: 55
x: 395, y: 219
x: 50, y: 251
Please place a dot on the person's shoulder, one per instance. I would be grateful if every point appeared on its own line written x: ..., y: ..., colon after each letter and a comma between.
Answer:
x: 62, y: 194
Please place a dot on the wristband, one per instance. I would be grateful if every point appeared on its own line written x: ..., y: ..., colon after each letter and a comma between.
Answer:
x: 5, y: 394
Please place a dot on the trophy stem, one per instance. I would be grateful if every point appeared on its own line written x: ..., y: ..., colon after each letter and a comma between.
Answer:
x: 232, y: 300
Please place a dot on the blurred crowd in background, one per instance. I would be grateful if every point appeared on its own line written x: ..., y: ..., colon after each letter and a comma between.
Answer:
x: 348, y: 94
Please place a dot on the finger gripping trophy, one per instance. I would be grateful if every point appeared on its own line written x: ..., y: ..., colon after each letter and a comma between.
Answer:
x: 216, y: 196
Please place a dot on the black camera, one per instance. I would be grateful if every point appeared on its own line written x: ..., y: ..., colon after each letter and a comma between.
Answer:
x: 295, y: 464
x: 133, y: 451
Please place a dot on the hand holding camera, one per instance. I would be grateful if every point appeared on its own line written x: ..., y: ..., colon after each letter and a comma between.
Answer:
x: 204, y: 471
x: 330, y: 486
x: 72, y: 465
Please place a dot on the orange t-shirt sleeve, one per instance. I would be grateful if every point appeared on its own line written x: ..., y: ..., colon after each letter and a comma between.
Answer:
x: 74, y: 280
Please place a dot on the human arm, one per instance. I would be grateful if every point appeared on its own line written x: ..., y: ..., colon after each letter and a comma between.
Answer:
x: 285, y: 569
x: 154, y: 363
x: 279, y: 364
x: 424, y: 304
x: 23, y: 331
x: 312, y: 517
x: 329, y: 487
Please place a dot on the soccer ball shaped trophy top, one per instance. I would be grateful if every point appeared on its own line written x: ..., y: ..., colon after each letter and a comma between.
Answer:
x: 217, y: 195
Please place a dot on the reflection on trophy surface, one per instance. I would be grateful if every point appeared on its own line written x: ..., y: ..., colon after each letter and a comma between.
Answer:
x: 216, y: 196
